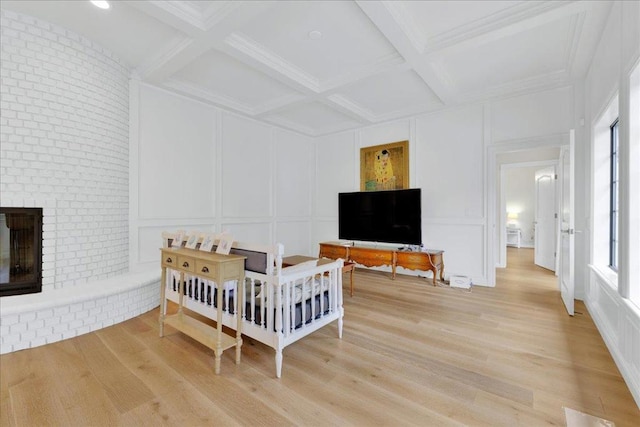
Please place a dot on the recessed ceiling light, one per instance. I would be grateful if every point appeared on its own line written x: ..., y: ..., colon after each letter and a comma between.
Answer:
x: 101, y: 4
x: 315, y: 35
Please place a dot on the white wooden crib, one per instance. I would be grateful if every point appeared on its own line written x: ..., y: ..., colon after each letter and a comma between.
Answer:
x: 281, y: 305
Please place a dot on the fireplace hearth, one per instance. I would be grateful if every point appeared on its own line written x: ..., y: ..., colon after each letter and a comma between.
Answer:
x: 20, y: 251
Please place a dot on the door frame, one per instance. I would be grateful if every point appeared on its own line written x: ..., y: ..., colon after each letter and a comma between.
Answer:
x: 502, y: 239
x: 492, y: 179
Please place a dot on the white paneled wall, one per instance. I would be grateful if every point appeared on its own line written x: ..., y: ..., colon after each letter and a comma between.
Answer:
x: 335, y: 172
x: 176, y: 159
x: 296, y: 236
x: 616, y: 316
x: 450, y: 151
x: 531, y: 116
x: 196, y: 167
x: 448, y: 161
x: 293, y: 196
x: 247, y: 168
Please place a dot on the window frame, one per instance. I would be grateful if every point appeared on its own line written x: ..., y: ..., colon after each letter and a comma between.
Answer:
x: 614, y: 194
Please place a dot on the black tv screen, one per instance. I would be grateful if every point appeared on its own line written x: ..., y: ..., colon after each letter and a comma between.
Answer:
x: 393, y: 216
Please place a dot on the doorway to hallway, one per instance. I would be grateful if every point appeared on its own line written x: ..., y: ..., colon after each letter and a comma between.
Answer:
x: 521, y: 268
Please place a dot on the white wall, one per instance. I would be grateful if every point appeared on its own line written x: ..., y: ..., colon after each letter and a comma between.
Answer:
x: 520, y: 198
x: 617, y: 318
x: 64, y: 146
x: 197, y: 167
x: 449, y: 161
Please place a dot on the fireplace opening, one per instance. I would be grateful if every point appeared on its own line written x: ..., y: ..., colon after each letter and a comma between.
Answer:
x: 20, y: 251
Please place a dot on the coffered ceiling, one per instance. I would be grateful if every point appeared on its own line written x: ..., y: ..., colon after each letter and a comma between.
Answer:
x: 319, y: 67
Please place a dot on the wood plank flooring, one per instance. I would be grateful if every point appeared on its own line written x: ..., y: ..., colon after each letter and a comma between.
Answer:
x: 411, y: 354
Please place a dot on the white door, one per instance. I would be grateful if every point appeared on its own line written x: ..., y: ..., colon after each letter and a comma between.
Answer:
x: 545, y: 218
x: 567, y: 237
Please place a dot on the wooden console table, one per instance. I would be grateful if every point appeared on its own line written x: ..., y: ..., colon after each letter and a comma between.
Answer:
x: 209, y: 266
x: 431, y: 260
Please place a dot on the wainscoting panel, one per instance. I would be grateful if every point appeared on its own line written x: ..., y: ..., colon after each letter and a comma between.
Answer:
x: 176, y: 156
x: 294, y: 173
x: 294, y: 235
x: 449, y: 152
x: 260, y: 232
x: 247, y: 169
x: 462, y: 243
x: 324, y: 230
x: 618, y: 321
x: 335, y: 171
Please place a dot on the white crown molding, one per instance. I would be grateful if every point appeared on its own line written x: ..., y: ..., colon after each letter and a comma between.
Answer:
x: 285, y: 123
x: 368, y: 115
x: 306, y: 130
x: 343, y: 102
x: 507, y: 17
x: 538, y: 83
x: 406, y: 23
x: 523, y: 144
x: 573, y: 40
x: 184, y: 12
x: 414, y: 110
x: 531, y: 84
x: 261, y: 54
x: 213, y: 15
x: 336, y: 127
x: 207, y: 96
x: 279, y: 103
x: 210, y: 97
x: 150, y: 65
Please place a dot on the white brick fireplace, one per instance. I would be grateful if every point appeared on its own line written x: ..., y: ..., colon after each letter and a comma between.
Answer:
x: 64, y: 146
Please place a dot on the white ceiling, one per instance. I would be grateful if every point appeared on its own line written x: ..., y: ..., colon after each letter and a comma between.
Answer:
x: 376, y: 60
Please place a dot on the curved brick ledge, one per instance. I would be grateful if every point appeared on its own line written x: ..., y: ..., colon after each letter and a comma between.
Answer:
x: 33, y: 320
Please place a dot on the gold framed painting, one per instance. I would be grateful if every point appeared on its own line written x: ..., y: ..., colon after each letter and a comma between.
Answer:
x: 384, y: 167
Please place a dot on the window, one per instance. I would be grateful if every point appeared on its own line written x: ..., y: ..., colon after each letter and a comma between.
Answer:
x: 633, y: 159
x: 613, y: 196
x: 606, y: 158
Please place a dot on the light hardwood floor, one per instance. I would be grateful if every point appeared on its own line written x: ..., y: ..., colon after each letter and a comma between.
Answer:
x: 412, y: 354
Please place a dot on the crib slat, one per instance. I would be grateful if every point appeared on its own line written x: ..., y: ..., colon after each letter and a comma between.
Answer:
x: 321, y: 293
x: 270, y: 309
x: 287, y: 304
x: 303, y: 304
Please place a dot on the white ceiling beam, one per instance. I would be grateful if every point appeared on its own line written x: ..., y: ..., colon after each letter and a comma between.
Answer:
x: 529, y: 22
x: 382, y: 18
x: 203, y: 34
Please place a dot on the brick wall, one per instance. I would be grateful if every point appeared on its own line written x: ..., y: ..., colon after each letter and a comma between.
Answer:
x: 30, y: 320
x: 64, y: 146
x: 64, y: 130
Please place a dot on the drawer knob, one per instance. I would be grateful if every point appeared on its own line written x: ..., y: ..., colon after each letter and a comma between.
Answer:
x: 205, y: 270
x: 169, y: 260
x: 185, y: 264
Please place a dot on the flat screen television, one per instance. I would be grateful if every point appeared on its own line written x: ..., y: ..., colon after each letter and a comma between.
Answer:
x: 392, y: 216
